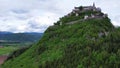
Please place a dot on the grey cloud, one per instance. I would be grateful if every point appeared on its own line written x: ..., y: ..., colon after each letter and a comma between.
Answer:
x: 22, y: 17
x: 33, y: 24
x: 19, y: 11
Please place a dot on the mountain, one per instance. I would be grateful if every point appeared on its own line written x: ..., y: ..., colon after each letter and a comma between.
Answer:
x: 20, y: 37
x: 85, y: 38
x: 4, y: 32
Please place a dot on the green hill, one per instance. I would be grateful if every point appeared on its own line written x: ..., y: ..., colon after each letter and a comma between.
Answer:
x: 74, y: 42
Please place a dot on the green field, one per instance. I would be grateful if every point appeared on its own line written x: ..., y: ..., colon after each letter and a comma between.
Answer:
x: 7, y: 50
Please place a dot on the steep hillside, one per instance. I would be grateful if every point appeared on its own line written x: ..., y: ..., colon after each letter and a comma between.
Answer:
x: 83, y: 43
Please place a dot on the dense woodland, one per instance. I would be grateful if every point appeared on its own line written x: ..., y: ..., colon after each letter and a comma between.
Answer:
x: 94, y: 43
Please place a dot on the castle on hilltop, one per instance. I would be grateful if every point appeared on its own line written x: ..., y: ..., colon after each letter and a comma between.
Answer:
x: 77, y: 11
x: 86, y: 8
x: 82, y: 13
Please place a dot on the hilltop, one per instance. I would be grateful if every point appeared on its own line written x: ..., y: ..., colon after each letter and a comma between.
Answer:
x: 82, y: 39
x: 82, y: 13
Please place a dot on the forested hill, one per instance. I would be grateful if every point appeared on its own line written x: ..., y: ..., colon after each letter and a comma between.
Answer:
x: 19, y: 37
x: 75, y: 41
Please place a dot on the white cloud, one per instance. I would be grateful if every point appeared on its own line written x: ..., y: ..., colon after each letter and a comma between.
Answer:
x: 37, y: 15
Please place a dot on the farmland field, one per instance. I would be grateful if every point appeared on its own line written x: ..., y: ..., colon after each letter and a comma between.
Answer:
x: 6, y: 50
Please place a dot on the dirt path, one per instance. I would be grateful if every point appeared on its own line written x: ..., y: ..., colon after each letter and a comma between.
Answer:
x: 2, y: 59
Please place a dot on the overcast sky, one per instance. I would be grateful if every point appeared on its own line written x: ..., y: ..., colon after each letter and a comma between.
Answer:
x: 37, y: 15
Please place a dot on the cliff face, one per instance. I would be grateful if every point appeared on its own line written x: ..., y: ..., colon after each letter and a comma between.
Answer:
x: 90, y: 43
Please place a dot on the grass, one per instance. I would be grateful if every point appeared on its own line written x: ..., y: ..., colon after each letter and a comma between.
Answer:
x: 7, y: 50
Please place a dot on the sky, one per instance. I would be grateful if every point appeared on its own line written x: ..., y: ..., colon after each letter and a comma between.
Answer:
x: 37, y: 15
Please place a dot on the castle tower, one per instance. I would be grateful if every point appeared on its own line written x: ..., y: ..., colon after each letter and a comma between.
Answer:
x: 93, y: 4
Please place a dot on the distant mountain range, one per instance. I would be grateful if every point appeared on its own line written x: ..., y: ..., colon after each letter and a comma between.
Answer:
x: 4, y: 32
x: 20, y: 37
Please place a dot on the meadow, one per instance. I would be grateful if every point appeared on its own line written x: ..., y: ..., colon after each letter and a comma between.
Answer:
x: 6, y: 50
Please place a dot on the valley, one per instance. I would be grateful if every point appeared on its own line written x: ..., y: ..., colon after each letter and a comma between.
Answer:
x: 5, y: 51
x: 11, y: 42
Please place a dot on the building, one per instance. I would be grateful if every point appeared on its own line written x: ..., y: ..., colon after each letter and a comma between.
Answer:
x: 83, y: 11
x: 86, y: 8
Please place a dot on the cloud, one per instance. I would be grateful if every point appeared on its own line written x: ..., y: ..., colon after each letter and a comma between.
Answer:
x: 37, y: 15
x: 112, y: 9
x: 19, y: 11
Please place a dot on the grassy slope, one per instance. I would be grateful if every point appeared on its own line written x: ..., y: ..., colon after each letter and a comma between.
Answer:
x: 7, y: 50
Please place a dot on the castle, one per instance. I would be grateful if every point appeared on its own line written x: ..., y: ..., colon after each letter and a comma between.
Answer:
x: 83, y: 13
x: 78, y: 10
x: 86, y: 8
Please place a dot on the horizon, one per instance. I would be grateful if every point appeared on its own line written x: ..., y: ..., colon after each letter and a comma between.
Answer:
x: 36, y: 16
x: 18, y: 32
